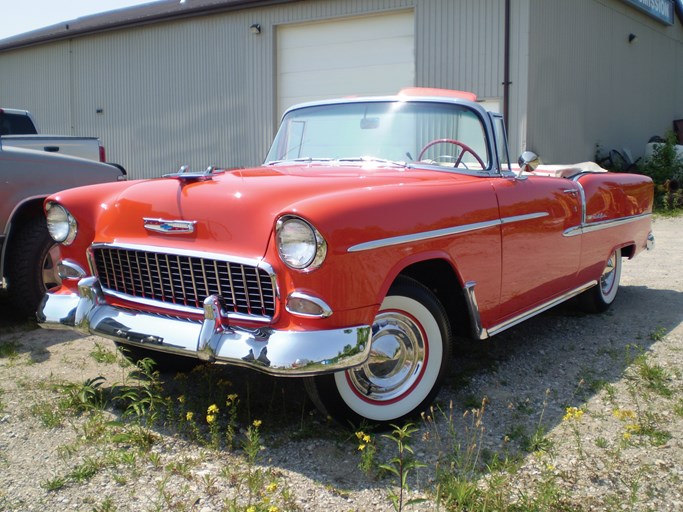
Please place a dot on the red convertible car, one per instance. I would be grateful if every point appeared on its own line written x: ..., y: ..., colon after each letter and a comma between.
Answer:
x: 376, y: 231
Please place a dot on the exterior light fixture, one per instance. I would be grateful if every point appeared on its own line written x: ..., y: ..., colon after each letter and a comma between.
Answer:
x: 632, y: 38
x: 255, y: 28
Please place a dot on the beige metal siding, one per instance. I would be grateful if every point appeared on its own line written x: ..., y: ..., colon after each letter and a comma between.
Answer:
x: 461, y: 45
x: 37, y: 79
x: 588, y: 85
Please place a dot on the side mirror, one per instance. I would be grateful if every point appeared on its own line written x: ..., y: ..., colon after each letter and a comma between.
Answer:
x: 528, y: 161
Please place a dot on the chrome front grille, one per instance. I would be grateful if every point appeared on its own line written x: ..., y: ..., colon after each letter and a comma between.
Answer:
x: 185, y: 280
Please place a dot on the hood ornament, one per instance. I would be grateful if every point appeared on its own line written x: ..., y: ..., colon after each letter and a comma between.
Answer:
x: 169, y: 227
x: 184, y: 174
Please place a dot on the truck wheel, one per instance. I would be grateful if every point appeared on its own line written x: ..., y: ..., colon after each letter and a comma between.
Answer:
x: 31, y: 266
x: 411, y: 348
x: 599, y: 298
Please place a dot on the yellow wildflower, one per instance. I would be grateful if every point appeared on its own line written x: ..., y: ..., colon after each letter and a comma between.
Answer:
x: 210, y: 418
x: 366, y: 439
x: 181, y: 399
x: 633, y: 428
x: 273, y: 508
x: 626, y: 436
x: 573, y: 413
x: 361, y: 447
x: 213, y: 409
x: 359, y: 435
x: 257, y: 423
x: 271, y: 487
x: 189, y: 416
x: 231, y: 399
x: 251, y: 509
x: 623, y: 414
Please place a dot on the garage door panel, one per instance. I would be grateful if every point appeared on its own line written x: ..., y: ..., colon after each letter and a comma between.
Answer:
x: 350, y: 29
x: 338, y: 82
x: 351, y: 56
x: 327, y: 57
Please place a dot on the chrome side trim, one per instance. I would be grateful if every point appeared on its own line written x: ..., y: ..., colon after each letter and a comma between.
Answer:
x: 538, y: 309
x: 276, y: 352
x: 521, y: 218
x: 605, y: 224
x: 439, y: 233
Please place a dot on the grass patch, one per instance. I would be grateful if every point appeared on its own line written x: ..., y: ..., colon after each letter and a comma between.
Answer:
x: 9, y: 350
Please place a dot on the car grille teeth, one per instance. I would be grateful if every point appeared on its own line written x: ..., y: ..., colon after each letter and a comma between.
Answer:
x: 186, y: 281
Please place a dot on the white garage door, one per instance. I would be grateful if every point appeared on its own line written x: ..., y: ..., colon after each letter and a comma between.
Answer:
x: 353, y: 56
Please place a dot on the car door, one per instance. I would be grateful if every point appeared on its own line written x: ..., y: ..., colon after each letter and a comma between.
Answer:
x: 538, y: 261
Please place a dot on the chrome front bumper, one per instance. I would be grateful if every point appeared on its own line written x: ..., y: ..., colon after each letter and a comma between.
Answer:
x: 294, y: 353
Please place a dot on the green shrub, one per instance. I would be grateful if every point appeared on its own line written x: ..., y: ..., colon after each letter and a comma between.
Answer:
x: 666, y: 170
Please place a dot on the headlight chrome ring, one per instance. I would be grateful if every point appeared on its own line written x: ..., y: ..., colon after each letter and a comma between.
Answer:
x: 61, y: 225
x: 299, y: 244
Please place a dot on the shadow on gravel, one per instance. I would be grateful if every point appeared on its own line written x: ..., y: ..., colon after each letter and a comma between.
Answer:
x: 562, y: 358
x: 19, y: 335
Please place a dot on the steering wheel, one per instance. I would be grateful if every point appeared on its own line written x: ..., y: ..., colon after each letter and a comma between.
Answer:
x: 464, y: 147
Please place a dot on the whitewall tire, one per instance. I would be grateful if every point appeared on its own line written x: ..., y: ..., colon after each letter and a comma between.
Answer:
x: 411, y: 349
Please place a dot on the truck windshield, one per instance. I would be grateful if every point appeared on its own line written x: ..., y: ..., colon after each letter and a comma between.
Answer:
x: 443, y: 134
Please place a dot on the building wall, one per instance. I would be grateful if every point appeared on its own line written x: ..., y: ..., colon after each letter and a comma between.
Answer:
x: 589, y: 86
x: 202, y: 91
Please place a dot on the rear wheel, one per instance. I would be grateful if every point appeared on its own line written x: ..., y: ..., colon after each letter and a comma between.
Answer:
x: 599, y: 298
x: 411, y: 348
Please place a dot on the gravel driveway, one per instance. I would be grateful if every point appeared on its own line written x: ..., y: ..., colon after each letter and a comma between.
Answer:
x: 580, y: 413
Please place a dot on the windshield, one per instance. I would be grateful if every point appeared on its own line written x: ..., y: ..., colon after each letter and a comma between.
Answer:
x: 442, y: 134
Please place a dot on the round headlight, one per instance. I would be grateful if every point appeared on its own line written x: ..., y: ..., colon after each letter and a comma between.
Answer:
x: 60, y: 224
x: 300, y: 245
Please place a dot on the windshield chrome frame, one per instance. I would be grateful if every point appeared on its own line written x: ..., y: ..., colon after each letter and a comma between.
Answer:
x: 484, y: 116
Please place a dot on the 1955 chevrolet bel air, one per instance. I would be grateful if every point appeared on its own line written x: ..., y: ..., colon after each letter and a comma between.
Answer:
x: 376, y: 231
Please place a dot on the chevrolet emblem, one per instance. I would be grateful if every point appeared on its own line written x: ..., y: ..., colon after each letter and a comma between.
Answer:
x: 170, y: 227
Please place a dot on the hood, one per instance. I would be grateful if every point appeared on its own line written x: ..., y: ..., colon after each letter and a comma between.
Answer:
x: 235, y: 211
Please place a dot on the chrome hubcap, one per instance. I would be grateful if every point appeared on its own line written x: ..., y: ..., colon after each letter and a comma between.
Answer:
x: 608, y: 275
x: 396, y: 360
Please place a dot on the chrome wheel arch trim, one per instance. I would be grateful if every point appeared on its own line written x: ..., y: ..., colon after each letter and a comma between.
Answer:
x: 440, y: 233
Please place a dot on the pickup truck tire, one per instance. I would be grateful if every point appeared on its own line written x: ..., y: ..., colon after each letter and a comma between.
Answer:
x: 32, y: 266
x: 411, y: 350
x: 599, y: 298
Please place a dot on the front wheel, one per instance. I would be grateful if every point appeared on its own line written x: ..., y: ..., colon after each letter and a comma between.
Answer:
x: 32, y: 266
x: 411, y: 348
x: 599, y: 298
